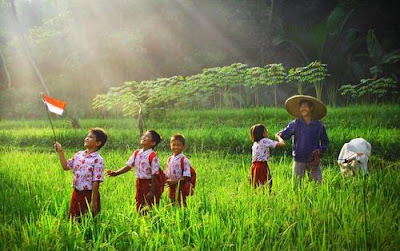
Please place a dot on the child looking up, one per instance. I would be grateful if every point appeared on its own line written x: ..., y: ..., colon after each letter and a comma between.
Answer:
x: 178, y: 171
x: 88, y: 169
x: 260, y: 173
x: 147, y: 169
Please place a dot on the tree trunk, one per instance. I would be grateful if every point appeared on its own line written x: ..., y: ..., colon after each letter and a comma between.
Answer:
x: 271, y: 13
x: 5, y: 70
x: 300, y: 88
x: 26, y: 48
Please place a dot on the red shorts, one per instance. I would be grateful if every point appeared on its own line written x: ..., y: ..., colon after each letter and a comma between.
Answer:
x: 79, y: 202
x: 260, y: 174
x: 184, y: 189
x: 142, y: 189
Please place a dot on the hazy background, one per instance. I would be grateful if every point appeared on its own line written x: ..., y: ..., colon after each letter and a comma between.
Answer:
x: 84, y: 47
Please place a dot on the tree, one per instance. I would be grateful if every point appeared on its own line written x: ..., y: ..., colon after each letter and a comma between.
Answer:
x: 276, y: 75
x: 329, y: 42
x: 313, y: 73
x: 378, y: 60
x: 26, y: 48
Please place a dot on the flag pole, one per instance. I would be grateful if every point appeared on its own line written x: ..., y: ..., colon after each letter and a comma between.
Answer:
x: 48, y: 116
x: 51, y: 123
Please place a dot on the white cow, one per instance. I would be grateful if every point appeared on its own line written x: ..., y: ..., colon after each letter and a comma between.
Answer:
x: 354, y: 155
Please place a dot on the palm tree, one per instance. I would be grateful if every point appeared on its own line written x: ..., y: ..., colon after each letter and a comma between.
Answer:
x: 328, y: 42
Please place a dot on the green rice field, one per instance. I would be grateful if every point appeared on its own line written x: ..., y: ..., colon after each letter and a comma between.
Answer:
x: 359, y: 213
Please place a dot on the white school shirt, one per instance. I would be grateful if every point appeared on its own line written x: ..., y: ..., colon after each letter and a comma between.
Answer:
x: 143, y: 169
x: 86, y: 170
x: 174, y: 167
x: 260, y: 149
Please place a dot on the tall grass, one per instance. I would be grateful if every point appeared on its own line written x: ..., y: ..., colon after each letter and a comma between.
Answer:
x: 225, y: 213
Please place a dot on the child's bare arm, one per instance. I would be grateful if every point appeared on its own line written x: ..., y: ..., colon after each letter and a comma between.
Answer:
x: 281, y: 142
x: 94, y: 205
x: 61, y: 155
x: 153, y: 190
x: 122, y: 170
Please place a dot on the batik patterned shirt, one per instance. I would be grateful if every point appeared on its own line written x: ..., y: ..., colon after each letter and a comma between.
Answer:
x: 261, y: 148
x: 143, y: 169
x: 86, y: 170
x: 174, y: 167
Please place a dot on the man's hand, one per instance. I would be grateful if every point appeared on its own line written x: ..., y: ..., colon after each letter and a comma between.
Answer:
x: 315, y: 158
x: 316, y: 152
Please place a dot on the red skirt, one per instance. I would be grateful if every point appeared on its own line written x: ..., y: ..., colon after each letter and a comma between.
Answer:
x: 79, y: 203
x: 260, y: 174
x: 184, y: 190
x: 143, y: 187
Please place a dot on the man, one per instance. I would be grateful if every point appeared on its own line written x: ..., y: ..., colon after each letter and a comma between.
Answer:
x: 310, y: 139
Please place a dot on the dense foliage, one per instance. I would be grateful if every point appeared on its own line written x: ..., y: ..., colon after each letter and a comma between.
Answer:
x: 77, y: 49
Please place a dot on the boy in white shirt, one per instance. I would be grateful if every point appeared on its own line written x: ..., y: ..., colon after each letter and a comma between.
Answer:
x: 178, y: 171
x: 88, y: 168
x: 147, y: 169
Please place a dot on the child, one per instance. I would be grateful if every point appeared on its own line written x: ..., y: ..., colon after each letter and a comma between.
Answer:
x: 260, y: 173
x: 147, y: 169
x: 176, y: 177
x: 88, y: 168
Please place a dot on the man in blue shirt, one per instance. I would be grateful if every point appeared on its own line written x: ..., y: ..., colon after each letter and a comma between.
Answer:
x: 310, y: 139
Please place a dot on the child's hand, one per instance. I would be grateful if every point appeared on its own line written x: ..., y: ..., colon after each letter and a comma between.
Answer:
x: 111, y: 173
x: 171, y: 182
x: 149, y: 196
x: 94, y: 207
x: 58, y: 147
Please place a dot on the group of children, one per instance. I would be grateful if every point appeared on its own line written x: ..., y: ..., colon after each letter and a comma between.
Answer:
x: 88, y: 169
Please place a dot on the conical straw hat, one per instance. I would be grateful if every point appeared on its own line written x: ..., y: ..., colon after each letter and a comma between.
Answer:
x: 292, y: 105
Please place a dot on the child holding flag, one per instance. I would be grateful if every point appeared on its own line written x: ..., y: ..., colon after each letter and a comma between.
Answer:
x: 88, y: 169
x: 147, y: 170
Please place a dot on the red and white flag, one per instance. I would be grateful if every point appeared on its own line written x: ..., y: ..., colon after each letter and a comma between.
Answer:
x: 54, y: 105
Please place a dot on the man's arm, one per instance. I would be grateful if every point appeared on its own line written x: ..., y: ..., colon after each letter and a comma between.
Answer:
x: 281, y: 142
x: 288, y: 131
x: 324, y: 140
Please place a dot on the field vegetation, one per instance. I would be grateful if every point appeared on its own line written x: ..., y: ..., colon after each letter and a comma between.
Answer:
x: 225, y: 213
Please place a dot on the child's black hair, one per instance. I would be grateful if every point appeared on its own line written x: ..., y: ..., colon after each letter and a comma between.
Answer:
x: 179, y: 137
x: 155, y: 137
x: 257, y: 132
x: 100, y: 134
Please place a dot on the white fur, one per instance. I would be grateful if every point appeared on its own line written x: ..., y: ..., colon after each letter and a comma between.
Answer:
x: 355, y: 155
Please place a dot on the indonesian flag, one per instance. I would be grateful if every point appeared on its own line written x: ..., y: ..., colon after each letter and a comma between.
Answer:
x: 54, y: 105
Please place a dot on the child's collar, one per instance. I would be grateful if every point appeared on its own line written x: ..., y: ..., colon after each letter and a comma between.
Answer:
x: 90, y: 153
x: 178, y: 155
x: 145, y: 150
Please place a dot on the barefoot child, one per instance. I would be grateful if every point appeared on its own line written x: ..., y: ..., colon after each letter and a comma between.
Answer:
x: 88, y: 168
x: 147, y: 169
x: 260, y: 173
x: 178, y: 171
